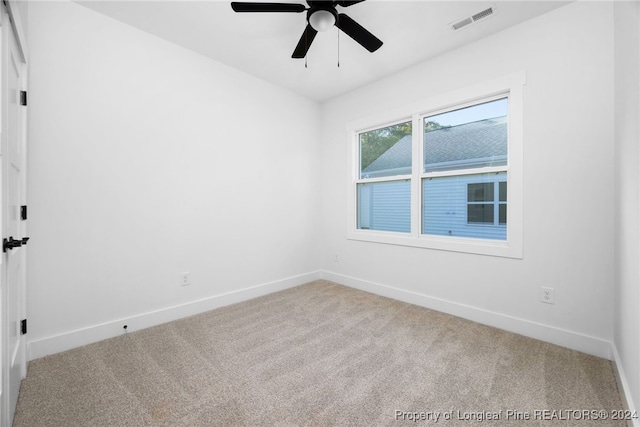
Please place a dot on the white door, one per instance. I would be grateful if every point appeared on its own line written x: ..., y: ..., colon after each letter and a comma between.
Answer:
x: 13, y: 139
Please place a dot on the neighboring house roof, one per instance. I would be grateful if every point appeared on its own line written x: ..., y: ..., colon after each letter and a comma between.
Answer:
x: 475, y: 144
x: 395, y: 161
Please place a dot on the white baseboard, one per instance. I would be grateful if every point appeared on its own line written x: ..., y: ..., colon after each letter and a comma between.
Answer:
x: 573, y: 340
x: 623, y: 383
x: 66, y: 341
x: 576, y: 341
x: 88, y: 335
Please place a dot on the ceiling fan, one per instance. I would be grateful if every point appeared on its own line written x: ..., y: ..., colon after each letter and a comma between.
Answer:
x: 321, y: 16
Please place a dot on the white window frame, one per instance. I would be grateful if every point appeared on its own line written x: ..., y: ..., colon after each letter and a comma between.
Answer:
x: 511, y: 86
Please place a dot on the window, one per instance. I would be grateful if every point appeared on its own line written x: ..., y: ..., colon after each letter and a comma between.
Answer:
x: 482, y: 205
x: 456, y: 201
x: 384, y: 185
x: 447, y: 175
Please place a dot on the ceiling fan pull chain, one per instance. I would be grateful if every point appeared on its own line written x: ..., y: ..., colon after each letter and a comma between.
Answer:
x: 306, y: 42
x: 338, y: 49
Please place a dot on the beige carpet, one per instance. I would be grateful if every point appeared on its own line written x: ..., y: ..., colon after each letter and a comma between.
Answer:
x: 320, y: 354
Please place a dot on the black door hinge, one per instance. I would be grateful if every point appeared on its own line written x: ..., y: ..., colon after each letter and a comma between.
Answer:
x: 23, y: 212
x: 23, y: 326
x: 23, y: 97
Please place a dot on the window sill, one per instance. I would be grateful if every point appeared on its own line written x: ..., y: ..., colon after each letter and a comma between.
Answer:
x: 496, y: 248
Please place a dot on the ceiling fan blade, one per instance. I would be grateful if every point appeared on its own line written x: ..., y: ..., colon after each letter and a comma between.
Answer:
x: 345, y: 3
x: 358, y: 33
x: 267, y: 7
x: 305, y: 42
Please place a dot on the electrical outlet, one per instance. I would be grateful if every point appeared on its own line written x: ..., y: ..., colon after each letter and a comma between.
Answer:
x: 184, y: 279
x: 546, y: 295
x: 336, y: 258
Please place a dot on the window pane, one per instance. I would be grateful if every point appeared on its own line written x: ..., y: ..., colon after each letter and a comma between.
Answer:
x: 446, y: 210
x: 385, y: 206
x: 480, y: 213
x: 470, y: 137
x: 502, y: 216
x: 480, y: 192
x: 386, y: 151
x: 503, y: 191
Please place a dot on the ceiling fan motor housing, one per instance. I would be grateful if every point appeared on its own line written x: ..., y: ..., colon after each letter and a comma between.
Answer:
x: 321, y: 16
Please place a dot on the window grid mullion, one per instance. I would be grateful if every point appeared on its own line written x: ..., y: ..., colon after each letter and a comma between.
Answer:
x: 461, y: 172
x: 383, y: 179
x: 496, y: 203
x: 416, y: 169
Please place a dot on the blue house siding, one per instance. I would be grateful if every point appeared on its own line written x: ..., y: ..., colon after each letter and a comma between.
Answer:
x: 385, y: 206
x: 444, y: 207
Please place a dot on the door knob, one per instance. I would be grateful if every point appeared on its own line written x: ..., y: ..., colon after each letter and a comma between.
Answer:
x: 13, y: 243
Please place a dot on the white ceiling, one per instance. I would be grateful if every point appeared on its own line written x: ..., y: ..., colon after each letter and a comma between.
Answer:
x: 261, y: 44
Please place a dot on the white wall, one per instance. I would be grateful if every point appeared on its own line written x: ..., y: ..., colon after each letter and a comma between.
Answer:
x: 147, y: 161
x: 627, y: 192
x: 567, y: 55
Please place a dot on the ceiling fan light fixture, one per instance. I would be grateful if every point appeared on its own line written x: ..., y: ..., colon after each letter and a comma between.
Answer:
x: 322, y: 20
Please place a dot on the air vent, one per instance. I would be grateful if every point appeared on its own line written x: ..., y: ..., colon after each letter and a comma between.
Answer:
x: 461, y: 23
x: 481, y: 15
